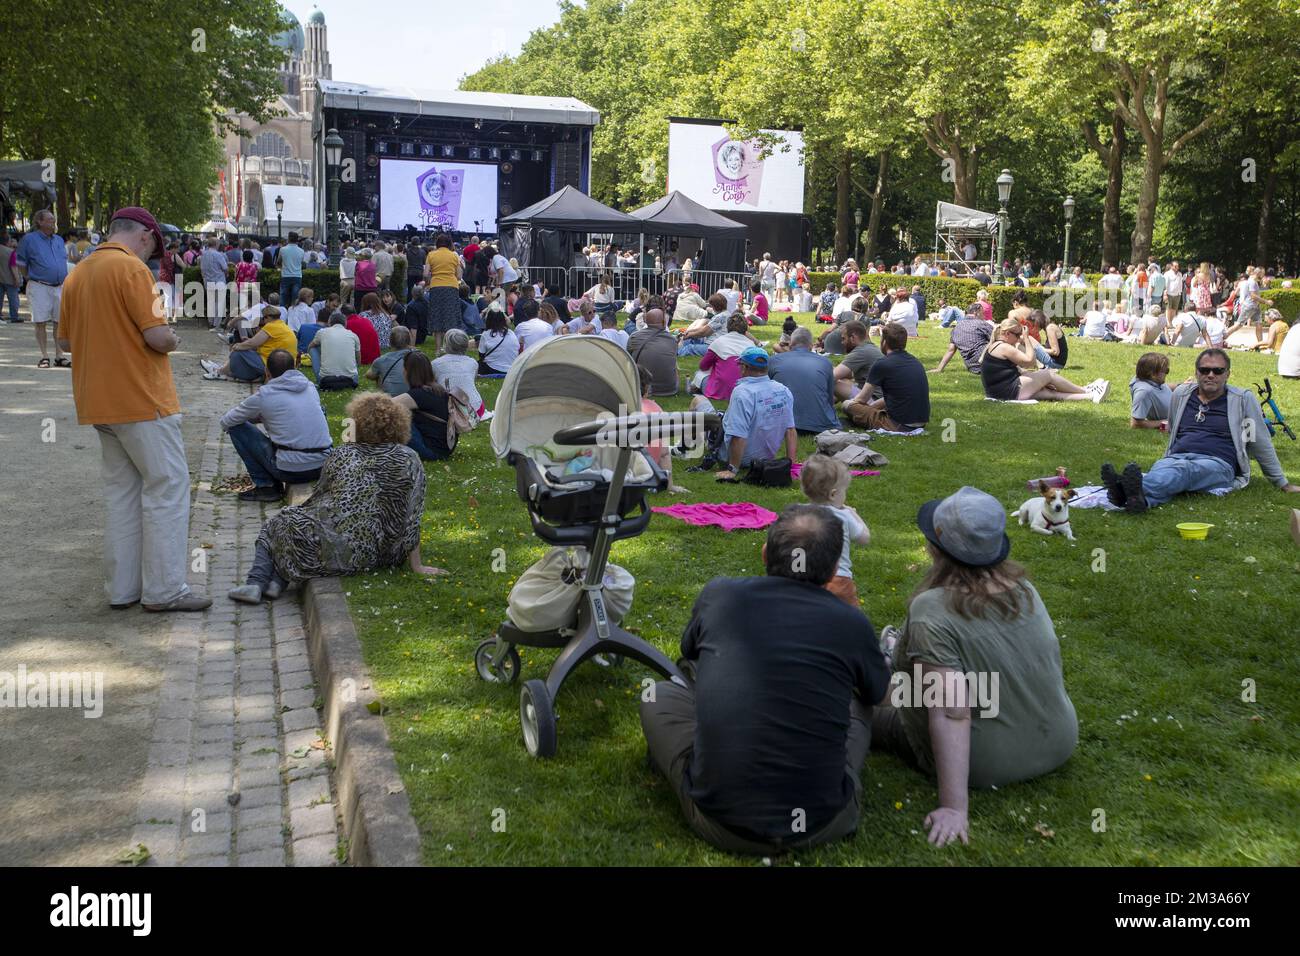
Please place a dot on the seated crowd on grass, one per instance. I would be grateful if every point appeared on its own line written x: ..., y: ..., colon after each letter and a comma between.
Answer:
x: 764, y: 745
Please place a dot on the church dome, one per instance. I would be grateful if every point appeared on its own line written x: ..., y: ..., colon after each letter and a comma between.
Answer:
x: 316, y: 18
x: 291, y: 39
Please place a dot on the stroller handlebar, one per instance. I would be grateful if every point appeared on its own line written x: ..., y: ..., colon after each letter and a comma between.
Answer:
x: 637, y: 431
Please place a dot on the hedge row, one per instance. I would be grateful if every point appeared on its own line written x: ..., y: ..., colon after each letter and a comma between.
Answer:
x: 323, y: 282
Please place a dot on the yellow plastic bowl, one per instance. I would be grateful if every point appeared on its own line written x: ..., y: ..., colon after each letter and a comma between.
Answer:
x: 1194, y: 530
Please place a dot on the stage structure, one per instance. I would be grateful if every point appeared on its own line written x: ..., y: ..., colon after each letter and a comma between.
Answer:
x: 956, y: 228
x: 758, y: 184
x: 445, y: 161
x: 677, y: 217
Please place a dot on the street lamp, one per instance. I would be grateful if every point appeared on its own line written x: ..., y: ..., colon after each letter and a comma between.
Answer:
x: 1068, y: 208
x: 279, y: 218
x: 333, y: 157
x: 1004, y: 194
x: 857, y: 232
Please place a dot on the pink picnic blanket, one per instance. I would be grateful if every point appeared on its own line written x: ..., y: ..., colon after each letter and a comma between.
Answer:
x: 798, y: 467
x: 741, y: 516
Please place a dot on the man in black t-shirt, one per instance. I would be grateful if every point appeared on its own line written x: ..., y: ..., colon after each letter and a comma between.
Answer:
x: 902, y: 380
x: 558, y: 302
x: 765, y: 751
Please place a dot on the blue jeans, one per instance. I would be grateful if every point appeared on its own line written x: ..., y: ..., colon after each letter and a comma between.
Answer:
x: 1042, y: 355
x: 262, y: 572
x: 692, y: 347
x: 418, y: 443
x: 258, y: 455
x: 10, y: 292
x: 289, y: 291
x: 1177, y: 474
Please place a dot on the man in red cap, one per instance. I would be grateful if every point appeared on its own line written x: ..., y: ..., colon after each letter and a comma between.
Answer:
x: 114, y: 322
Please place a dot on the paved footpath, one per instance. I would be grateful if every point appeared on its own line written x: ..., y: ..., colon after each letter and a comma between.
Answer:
x: 209, y: 750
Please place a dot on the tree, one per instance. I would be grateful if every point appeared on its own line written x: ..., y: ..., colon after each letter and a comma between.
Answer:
x: 1160, y: 62
x: 954, y: 79
x: 115, y: 91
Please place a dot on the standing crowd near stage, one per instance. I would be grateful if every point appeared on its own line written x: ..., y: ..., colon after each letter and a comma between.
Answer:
x: 762, y: 728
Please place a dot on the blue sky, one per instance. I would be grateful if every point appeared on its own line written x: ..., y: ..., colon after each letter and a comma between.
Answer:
x: 397, y: 43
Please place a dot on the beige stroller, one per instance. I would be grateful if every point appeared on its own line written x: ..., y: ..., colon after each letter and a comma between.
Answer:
x: 567, y: 419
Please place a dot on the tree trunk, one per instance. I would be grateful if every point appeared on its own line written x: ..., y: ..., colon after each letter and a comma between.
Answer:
x: 1264, y: 234
x: 965, y: 168
x: 83, y: 198
x: 877, y: 205
x: 1148, y: 197
x: 843, y: 219
x: 1114, y: 186
x: 114, y: 203
x: 61, y: 190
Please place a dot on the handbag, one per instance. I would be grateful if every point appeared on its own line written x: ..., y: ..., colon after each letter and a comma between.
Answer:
x: 769, y: 472
x: 483, y: 367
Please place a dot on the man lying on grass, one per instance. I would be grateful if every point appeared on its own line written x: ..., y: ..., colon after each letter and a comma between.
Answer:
x: 1214, y: 430
x: 765, y: 751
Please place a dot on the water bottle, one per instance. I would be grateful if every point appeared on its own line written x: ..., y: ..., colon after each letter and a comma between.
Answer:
x: 1057, y: 480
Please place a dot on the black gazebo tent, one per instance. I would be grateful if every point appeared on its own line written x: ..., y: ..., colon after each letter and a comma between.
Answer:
x: 23, y: 178
x: 677, y: 215
x: 545, y: 233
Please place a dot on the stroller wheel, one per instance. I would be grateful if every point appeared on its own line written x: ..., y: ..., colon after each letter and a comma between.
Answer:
x: 538, y: 719
x: 507, y: 672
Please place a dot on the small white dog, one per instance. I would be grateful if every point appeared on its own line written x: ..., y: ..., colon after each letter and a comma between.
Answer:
x: 1049, y: 512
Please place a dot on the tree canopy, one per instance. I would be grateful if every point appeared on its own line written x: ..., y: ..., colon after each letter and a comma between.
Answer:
x: 126, y: 99
x: 1148, y: 112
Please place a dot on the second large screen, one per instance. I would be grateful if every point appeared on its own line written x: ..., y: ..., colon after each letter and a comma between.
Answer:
x: 451, y: 195
x: 707, y: 165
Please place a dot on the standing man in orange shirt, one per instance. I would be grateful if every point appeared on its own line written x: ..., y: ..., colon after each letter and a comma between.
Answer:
x: 115, y: 323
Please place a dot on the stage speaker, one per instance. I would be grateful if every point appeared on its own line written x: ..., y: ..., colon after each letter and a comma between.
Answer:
x: 567, y: 166
x: 351, y: 194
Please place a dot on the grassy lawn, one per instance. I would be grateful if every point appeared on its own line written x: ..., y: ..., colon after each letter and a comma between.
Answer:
x: 1156, y: 649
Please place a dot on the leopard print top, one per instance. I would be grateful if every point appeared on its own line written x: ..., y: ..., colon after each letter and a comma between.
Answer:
x: 364, y: 514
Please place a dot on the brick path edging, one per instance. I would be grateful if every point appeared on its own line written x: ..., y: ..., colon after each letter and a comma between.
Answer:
x: 372, y: 798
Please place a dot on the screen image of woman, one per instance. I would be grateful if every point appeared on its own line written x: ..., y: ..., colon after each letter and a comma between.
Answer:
x: 731, y: 160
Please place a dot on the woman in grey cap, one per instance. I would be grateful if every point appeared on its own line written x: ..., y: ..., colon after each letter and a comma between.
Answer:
x: 978, y: 695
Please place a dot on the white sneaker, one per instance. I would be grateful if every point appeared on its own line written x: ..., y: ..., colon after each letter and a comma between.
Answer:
x: 216, y: 377
x: 209, y: 365
x: 1100, y: 392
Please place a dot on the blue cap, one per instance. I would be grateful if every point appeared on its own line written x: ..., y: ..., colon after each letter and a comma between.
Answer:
x: 754, y: 357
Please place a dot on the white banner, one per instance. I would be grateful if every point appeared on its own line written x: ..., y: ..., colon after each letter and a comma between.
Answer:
x: 707, y: 165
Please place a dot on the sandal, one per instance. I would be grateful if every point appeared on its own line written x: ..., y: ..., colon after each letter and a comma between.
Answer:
x: 63, y: 362
x: 43, y: 363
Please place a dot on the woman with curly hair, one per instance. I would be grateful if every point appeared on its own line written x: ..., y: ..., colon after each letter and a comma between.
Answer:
x: 364, y: 514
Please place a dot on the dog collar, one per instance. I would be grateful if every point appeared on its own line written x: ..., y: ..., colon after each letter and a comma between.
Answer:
x: 1054, y: 523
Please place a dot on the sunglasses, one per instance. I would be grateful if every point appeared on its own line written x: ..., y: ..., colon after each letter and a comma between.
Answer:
x: 1212, y: 370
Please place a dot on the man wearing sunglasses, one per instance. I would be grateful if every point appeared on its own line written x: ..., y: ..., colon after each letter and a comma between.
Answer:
x: 1214, y: 430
